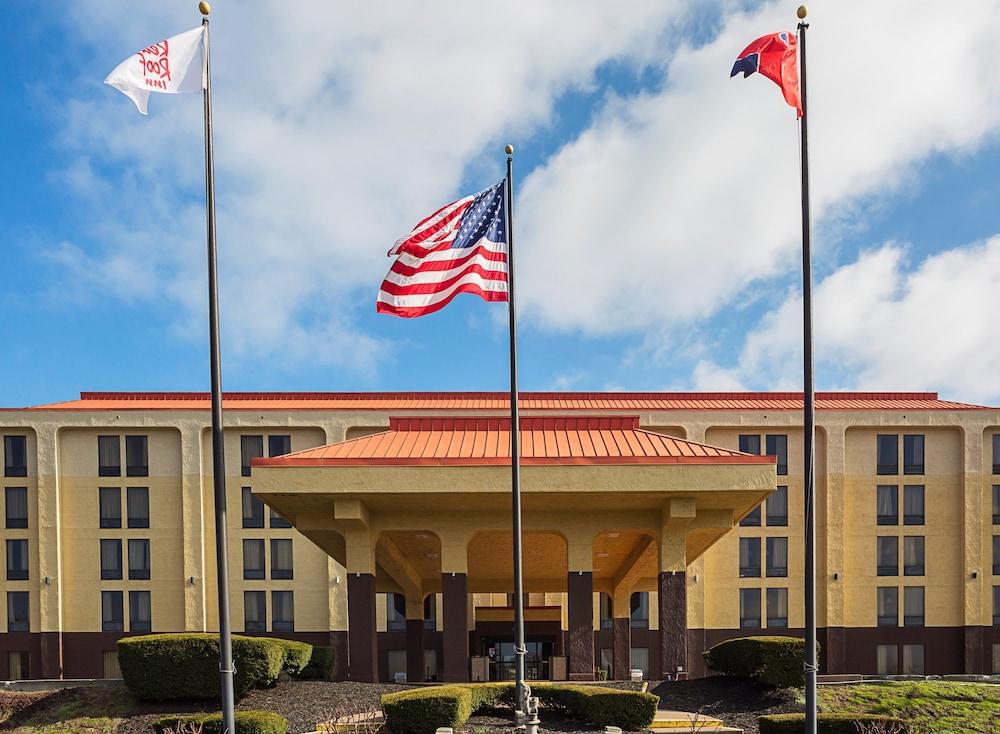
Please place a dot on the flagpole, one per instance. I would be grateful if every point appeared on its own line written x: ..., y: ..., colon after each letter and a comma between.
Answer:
x: 515, y: 455
x: 808, y: 397
x: 218, y: 444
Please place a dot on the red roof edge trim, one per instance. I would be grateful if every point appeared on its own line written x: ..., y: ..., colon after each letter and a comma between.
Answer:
x: 528, y: 423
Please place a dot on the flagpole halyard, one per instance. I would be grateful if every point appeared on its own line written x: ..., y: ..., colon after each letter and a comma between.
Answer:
x: 808, y: 396
x: 218, y: 444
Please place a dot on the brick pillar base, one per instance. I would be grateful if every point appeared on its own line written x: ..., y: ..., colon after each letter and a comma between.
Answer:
x: 580, y: 597
x: 621, y: 653
x: 415, y: 650
x: 455, y: 638
x: 362, y: 643
x: 673, y: 622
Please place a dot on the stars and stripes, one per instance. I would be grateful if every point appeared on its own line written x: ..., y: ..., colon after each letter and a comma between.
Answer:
x: 460, y: 248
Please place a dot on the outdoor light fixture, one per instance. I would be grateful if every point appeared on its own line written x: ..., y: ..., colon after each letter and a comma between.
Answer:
x: 836, y: 577
x: 975, y: 574
x: 614, y: 535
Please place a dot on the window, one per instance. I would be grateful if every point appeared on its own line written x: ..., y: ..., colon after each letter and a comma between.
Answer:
x: 913, y: 504
x: 996, y: 605
x: 136, y: 456
x: 18, y: 611
x: 888, y: 606
x: 607, y: 656
x: 887, y: 556
x: 18, y: 665
x: 16, y: 507
x: 15, y: 456
x: 251, y: 447
x: 254, y: 611
x: 996, y: 555
x: 430, y: 612
x: 140, y: 611
x: 887, y: 659
x: 279, y: 445
x: 996, y: 504
x: 111, y: 559
x: 750, y: 608
x: 395, y: 611
x: 17, y: 560
x: 283, y: 611
x: 278, y: 520
x: 112, y: 611
x: 777, y: 446
x: 913, y: 606
x: 138, y: 559
x: 110, y: 499
x: 913, y: 555
x: 253, y: 559
x: 996, y: 453
x: 887, y: 504
x: 638, y: 659
x: 750, y: 444
x: 395, y: 664
x: 639, y: 610
x: 112, y: 669
x: 913, y: 454
x: 137, y: 503
x: 607, y: 611
x: 777, y: 607
x: 777, y: 557
x: 749, y: 558
x: 887, y: 461
x: 109, y: 456
x: 752, y: 520
x: 281, y: 558
x: 913, y: 659
x: 777, y: 507
x: 253, y: 510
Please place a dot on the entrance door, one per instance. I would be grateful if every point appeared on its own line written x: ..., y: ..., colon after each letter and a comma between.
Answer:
x: 502, y: 661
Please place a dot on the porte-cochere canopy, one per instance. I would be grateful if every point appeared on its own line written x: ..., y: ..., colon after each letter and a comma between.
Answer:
x: 424, y: 508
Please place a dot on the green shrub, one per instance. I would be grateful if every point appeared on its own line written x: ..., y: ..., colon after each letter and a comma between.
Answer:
x: 186, y: 666
x: 320, y: 664
x: 491, y: 695
x: 424, y: 710
x: 830, y: 723
x: 297, y: 654
x: 773, y: 661
x: 631, y: 710
x: 247, y: 722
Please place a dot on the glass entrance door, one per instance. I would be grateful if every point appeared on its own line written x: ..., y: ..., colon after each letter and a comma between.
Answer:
x: 502, y: 664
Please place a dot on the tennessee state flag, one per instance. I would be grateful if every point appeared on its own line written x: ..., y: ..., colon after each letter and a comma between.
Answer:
x: 775, y: 56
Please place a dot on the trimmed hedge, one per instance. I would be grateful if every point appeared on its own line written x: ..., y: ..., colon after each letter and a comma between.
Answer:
x: 186, y: 666
x: 829, y: 723
x: 247, y: 722
x: 773, y: 661
x: 320, y: 664
x: 422, y: 711
x: 297, y: 654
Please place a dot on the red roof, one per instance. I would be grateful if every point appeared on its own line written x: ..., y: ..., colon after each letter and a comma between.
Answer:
x: 486, y: 440
x: 500, y: 401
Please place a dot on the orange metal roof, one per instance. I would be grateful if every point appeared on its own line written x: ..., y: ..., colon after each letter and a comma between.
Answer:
x: 486, y: 440
x: 499, y: 401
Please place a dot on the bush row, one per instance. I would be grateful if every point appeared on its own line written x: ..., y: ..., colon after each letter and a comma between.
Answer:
x: 423, y: 711
x: 186, y: 666
x: 773, y: 661
x: 831, y: 724
x: 247, y: 722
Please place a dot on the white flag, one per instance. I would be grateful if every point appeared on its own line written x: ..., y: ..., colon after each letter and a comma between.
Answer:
x: 174, y: 65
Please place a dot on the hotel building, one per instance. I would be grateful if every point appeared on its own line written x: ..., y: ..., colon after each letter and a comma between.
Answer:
x: 655, y: 525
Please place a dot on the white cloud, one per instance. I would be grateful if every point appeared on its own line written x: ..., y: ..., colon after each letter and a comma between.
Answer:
x: 337, y: 127
x: 673, y: 203
x: 891, y: 328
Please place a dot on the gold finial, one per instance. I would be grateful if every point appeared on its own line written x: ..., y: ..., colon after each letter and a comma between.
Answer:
x: 204, y: 7
x: 508, y: 149
x: 802, y: 12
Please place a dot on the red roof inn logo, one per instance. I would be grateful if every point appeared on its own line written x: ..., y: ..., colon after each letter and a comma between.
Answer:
x: 155, y: 62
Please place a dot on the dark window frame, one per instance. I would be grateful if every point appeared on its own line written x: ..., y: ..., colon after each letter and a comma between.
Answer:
x: 256, y: 625
x: 282, y: 625
x: 430, y: 612
x: 750, y: 571
x: 137, y: 443
x: 916, y: 569
x: 777, y: 446
x: 885, y: 467
x: 747, y: 621
x: 18, y: 574
x: 114, y: 522
x: 886, y: 620
x: 395, y: 619
x: 136, y: 522
x: 776, y: 622
x: 13, y: 600
x: 278, y: 521
x: 776, y: 520
x: 15, y: 446
x: 109, y: 623
x: 996, y: 453
x: 910, y: 518
x: 247, y: 453
x: 285, y: 574
x: 746, y: 443
x: 144, y: 625
x: 256, y: 506
x: 893, y: 519
x: 886, y: 570
x: 914, y: 443
x: 914, y: 620
x: 253, y: 574
x: 13, y: 522
x: 771, y: 571
x: 140, y: 574
x: 996, y: 504
x: 111, y: 574
x: 638, y: 614
x: 752, y: 518
x: 275, y: 445
x: 109, y: 470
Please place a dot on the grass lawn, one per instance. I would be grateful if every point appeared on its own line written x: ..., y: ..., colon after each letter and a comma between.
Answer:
x: 935, y: 707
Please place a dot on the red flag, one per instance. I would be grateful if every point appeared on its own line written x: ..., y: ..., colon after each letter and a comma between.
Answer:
x: 775, y: 56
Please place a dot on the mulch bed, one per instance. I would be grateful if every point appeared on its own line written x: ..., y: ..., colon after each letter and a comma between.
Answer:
x: 736, y: 702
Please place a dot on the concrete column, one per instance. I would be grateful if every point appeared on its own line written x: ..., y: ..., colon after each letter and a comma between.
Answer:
x: 48, y: 601
x: 672, y: 588
x: 580, y: 602
x: 362, y: 643
x: 455, y: 637
x: 414, y: 640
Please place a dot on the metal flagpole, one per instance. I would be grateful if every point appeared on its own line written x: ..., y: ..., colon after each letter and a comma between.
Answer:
x: 218, y: 446
x: 808, y: 397
x: 515, y: 455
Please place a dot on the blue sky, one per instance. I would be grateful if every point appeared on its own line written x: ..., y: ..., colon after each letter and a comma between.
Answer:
x: 657, y: 219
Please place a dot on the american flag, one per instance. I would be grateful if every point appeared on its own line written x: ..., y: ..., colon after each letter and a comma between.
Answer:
x: 460, y: 248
